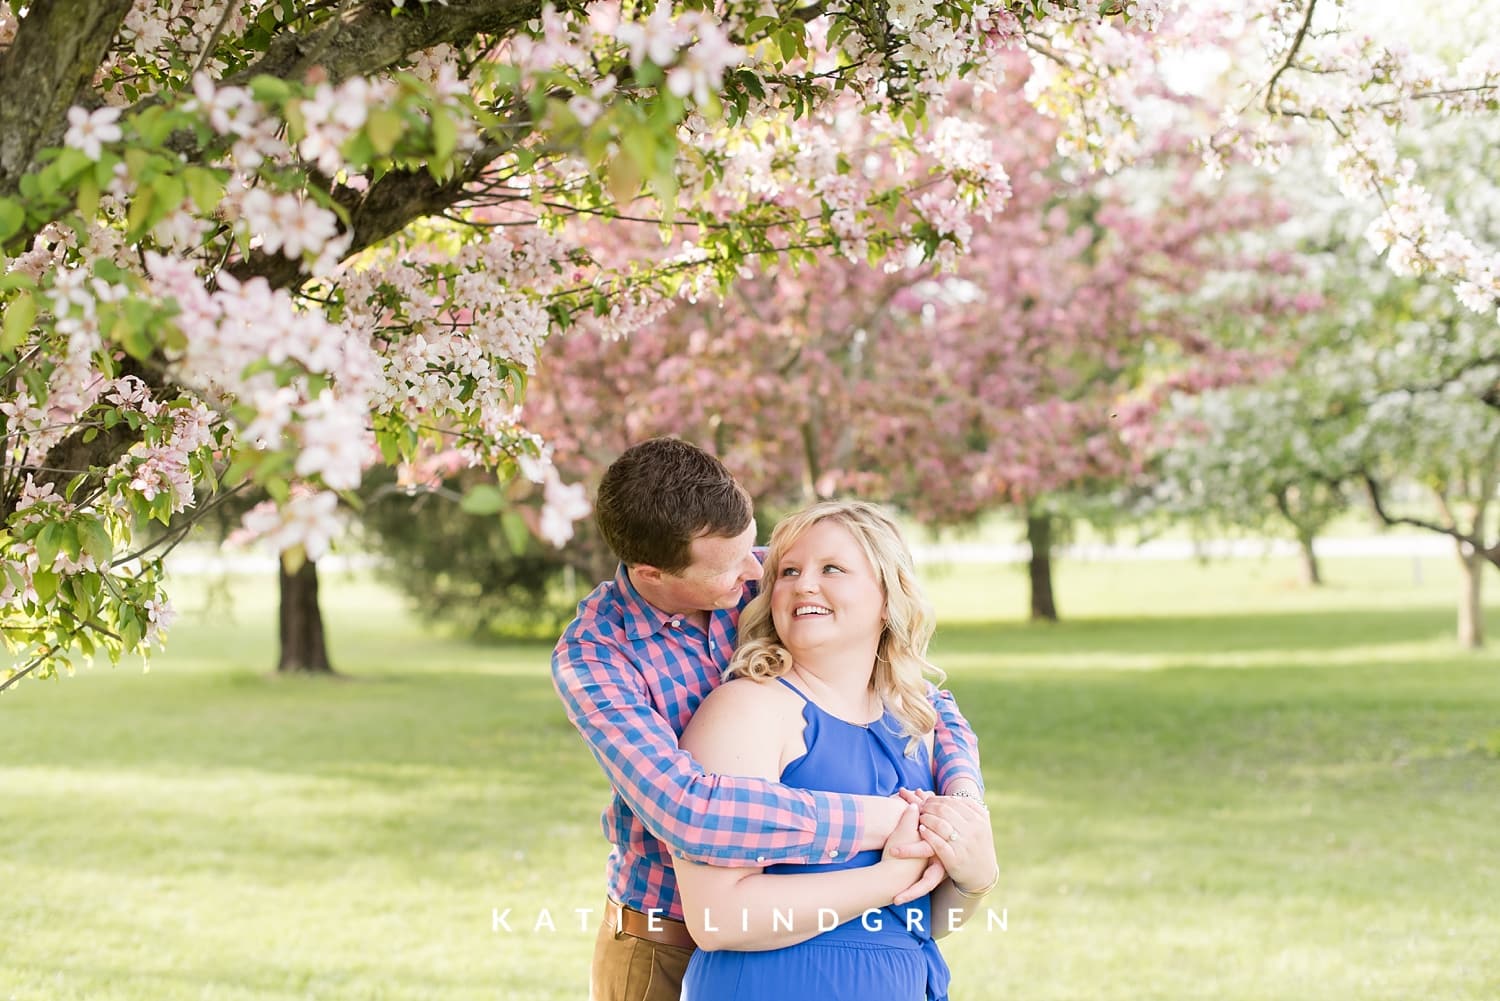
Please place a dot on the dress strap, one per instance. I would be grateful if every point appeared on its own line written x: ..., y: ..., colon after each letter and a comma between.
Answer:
x: 800, y: 694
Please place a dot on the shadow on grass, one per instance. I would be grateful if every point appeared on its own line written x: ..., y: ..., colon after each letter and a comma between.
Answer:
x: 1206, y: 634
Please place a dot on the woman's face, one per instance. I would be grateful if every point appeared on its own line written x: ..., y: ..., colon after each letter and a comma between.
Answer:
x: 826, y: 594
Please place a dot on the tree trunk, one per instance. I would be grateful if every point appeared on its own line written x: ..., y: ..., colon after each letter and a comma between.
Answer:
x: 302, y: 645
x: 1470, y: 607
x: 1039, y: 535
x: 1312, y: 575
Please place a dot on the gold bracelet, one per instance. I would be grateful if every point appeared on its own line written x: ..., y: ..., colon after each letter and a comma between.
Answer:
x: 977, y: 894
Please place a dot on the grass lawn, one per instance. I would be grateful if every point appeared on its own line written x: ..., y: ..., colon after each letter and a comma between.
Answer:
x: 1210, y: 783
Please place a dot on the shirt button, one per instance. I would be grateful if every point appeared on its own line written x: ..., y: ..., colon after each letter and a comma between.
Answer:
x: 833, y: 853
x: 676, y: 624
x: 760, y: 858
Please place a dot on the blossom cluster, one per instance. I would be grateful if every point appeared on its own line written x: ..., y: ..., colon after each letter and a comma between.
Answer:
x: 1368, y: 90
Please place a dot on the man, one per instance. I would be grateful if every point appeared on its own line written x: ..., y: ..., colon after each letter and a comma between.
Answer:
x: 643, y: 652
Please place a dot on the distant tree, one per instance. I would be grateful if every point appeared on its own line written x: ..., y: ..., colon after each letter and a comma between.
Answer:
x: 1021, y: 370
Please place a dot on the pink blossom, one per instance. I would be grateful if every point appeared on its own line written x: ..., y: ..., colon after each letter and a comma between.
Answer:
x: 700, y: 68
x: 287, y: 223
x: 307, y: 519
x: 335, y: 444
x: 89, y: 130
x: 563, y: 504
x: 230, y: 110
x: 657, y: 38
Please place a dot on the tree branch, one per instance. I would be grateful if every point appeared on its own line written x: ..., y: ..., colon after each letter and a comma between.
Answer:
x: 58, y: 48
x: 372, y: 38
x: 1373, y: 489
x: 1291, y: 54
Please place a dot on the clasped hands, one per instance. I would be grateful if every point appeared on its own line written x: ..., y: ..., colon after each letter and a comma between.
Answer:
x: 954, y: 832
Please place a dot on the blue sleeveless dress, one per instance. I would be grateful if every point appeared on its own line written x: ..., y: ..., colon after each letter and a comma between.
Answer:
x: 885, y: 955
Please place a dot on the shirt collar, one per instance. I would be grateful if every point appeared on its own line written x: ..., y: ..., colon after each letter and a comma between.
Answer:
x: 641, y: 618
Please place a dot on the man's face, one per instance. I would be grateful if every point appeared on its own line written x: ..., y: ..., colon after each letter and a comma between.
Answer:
x: 717, y: 575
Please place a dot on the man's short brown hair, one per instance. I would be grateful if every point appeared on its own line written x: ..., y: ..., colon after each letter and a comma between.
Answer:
x: 660, y: 495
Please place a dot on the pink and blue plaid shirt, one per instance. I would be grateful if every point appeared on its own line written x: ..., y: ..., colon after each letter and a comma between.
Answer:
x: 631, y: 677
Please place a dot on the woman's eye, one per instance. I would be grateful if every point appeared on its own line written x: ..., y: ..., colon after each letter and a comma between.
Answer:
x: 788, y: 571
x: 830, y: 568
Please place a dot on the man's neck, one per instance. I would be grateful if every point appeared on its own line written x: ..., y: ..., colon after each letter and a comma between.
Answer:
x: 653, y: 597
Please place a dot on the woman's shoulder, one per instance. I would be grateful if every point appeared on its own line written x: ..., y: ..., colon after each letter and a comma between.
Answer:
x: 741, y: 727
x: 751, y: 696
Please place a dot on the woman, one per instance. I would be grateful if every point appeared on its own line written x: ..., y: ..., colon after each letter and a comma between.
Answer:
x: 826, y: 692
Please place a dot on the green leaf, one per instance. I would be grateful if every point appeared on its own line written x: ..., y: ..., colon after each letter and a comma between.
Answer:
x: 45, y: 583
x: 483, y: 500
x: 15, y: 280
x: 48, y: 542
x: 444, y: 136
x: 17, y: 324
x: 88, y: 197
x: 12, y: 217
x: 138, y: 219
x: 384, y: 128
x: 153, y: 125
x: 170, y: 194
x: 69, y: 164
x: 131, y: 632
x: 517, y: 535
x: 270, y: 89
x: 97, y: 542
x: 71, y: 544
x: 389, y: 449
x: 134, y: 339
x: 624, y: 179
x: 787, y: 42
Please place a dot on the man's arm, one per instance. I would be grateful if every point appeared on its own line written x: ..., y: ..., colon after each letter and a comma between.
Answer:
x: 955, y: 770
x: 957, y: 756
x: 713, y: 819
x: 741, y: 729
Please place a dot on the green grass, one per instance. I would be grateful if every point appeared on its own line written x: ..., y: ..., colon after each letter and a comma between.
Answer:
x: 1211, y: 784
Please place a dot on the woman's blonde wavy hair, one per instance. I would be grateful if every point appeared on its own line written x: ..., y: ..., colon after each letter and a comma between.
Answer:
x: 901, y: 664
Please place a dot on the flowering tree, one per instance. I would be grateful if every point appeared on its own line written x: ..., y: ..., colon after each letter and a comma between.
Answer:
x: 1391, y: 392
x: 1365, y: 81
x: 1254, y: 458
x: 258, y: 243
x: 1354, y: 413
x: 1029, y: 367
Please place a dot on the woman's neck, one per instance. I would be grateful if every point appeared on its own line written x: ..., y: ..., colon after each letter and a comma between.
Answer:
x: 842, y: 683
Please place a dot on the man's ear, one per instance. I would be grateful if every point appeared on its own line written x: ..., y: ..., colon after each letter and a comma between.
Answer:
x: 646, y: 572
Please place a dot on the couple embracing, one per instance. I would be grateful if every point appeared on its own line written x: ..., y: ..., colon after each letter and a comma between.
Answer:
x: 807, y: 827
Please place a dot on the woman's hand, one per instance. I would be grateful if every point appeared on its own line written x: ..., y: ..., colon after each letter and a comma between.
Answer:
x: 958, y: 829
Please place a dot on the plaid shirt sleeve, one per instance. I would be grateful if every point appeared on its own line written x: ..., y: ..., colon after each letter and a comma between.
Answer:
x: 957, y: 749
x: 715, y: 819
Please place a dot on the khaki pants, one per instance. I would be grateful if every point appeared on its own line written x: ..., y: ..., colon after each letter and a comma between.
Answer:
x: 626, y: 968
